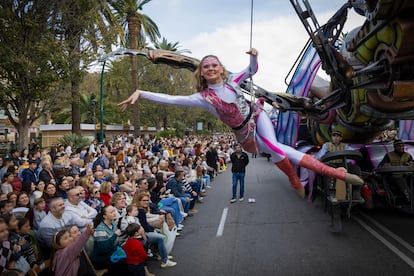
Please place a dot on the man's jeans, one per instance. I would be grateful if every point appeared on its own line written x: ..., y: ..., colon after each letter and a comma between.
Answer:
x: 238, y: 177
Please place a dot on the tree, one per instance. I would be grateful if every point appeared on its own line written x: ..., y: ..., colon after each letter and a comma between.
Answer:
x: 30, y: 63
x: 138, y: 27
x: 83, y: 27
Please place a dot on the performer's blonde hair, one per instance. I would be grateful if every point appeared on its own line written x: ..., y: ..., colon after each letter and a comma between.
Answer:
x: 201, y: 82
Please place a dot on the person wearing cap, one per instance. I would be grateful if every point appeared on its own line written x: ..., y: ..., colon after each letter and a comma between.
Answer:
x: 398, y: 157
x: 29, y: 176
x: 334, y: 145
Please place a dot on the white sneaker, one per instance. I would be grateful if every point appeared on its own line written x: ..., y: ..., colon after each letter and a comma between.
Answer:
x: 233, y: 200
x: 168, y: 263
x: 180, y: 225
x: 241, y: 199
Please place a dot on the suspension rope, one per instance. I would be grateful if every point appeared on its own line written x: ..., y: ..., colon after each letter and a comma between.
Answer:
x: 253, y: 98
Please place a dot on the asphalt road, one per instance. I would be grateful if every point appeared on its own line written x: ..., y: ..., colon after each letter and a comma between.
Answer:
x: 282, y: 234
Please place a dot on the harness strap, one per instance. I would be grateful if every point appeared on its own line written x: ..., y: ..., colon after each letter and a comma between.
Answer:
x: 245, y: 120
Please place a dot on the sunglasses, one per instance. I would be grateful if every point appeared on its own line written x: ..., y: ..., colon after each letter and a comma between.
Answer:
x: 96, y: 192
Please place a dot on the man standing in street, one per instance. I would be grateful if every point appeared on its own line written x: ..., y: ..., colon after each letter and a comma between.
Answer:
x: 239, y: 160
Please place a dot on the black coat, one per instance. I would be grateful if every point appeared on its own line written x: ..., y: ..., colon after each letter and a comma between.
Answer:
x: 239, y: 163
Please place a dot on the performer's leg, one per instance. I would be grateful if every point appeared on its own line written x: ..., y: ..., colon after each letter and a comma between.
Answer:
x: 267, y: 142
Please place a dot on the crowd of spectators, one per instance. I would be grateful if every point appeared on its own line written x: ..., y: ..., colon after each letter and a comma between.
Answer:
x: 125, y: 188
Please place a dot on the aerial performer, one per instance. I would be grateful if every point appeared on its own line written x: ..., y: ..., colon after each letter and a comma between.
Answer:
x: 219, y: 92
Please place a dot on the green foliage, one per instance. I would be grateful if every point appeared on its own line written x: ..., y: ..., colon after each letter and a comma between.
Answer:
x: 166, y: 133
x: 76, y: 140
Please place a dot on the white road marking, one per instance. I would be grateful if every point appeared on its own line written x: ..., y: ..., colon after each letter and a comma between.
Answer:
x: 220, y: 228
x: 389, y: 233
x: 394, y: 249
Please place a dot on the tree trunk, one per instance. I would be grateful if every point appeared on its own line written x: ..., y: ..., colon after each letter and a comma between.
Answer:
x: 76, y: 118
x: 23, y: 130
x: 75, y: 77
x: 134, y: 26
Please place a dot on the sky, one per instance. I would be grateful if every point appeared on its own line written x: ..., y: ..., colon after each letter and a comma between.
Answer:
x: 223, y: 28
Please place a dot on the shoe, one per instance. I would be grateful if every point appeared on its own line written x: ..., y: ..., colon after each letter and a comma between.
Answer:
x: 203, y: 193
x: 179, y: 228
x: 241, y: 199
x: 189, y: 214
x: 180, y: 225
x: 149, y: 253
x: 233, y: 200
x: 158, y: 257
x: 168, y: 263
x: 192, y: 211
x: 208, y: 186
x: 184, y: 214
x: 199, y: 201
x: 177, y: 234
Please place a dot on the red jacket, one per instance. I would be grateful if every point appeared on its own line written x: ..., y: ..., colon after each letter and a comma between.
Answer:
x: 106, y: 199
x: 135, y: 252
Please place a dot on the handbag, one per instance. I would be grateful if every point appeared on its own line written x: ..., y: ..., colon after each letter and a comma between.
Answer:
x: 118, y: 254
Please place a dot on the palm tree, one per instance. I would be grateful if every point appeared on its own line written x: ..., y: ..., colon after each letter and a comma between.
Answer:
x: 170, y: 46
x: 138, y: 27
x: 82, y: 32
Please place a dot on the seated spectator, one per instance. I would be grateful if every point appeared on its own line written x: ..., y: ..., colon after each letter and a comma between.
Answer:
x: 47, y: 173
x: 38, y: 192
x: 81, y: 213
x: 23, y: 200
x: 95, y: 200
x: 24, y: 239
x: 66, y: 250
x: 106, y: 194
x: 63, y: 187
x: 6, y: 206
x: 13, y: 198
x: 53, y: 222
x: 176, y: 187
x: 6, y: 186
x: 6, y: 251
x: 106, y: 241
x: 49, y: 194
x: 141, y: 200
x: 135, y: 252
x: 39, y: 212
x: 17, y: 181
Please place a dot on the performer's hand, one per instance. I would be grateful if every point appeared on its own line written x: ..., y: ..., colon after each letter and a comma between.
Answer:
x: 131, y: 100
x: 253, y: 52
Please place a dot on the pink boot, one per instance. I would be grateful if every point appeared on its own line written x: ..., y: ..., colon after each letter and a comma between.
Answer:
x: 286, y: 167
x: 313, y: 164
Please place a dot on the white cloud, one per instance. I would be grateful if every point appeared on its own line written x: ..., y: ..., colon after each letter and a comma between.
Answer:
x: 278, y: 40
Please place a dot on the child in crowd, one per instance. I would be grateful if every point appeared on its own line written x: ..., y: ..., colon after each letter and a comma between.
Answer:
x: 135, y: 252
x: 6, y: 206
x: 6, y: 251
x: 25, y: 241
x: 19, y: 245
x: 39, y: 211
x: 65, y: 259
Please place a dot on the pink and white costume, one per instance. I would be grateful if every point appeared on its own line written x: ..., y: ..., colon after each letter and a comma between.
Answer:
x: 226, y: 102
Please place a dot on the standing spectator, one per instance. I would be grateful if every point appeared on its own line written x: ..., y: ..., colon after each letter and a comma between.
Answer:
x: 212, y: 160
x: 239, y: 160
